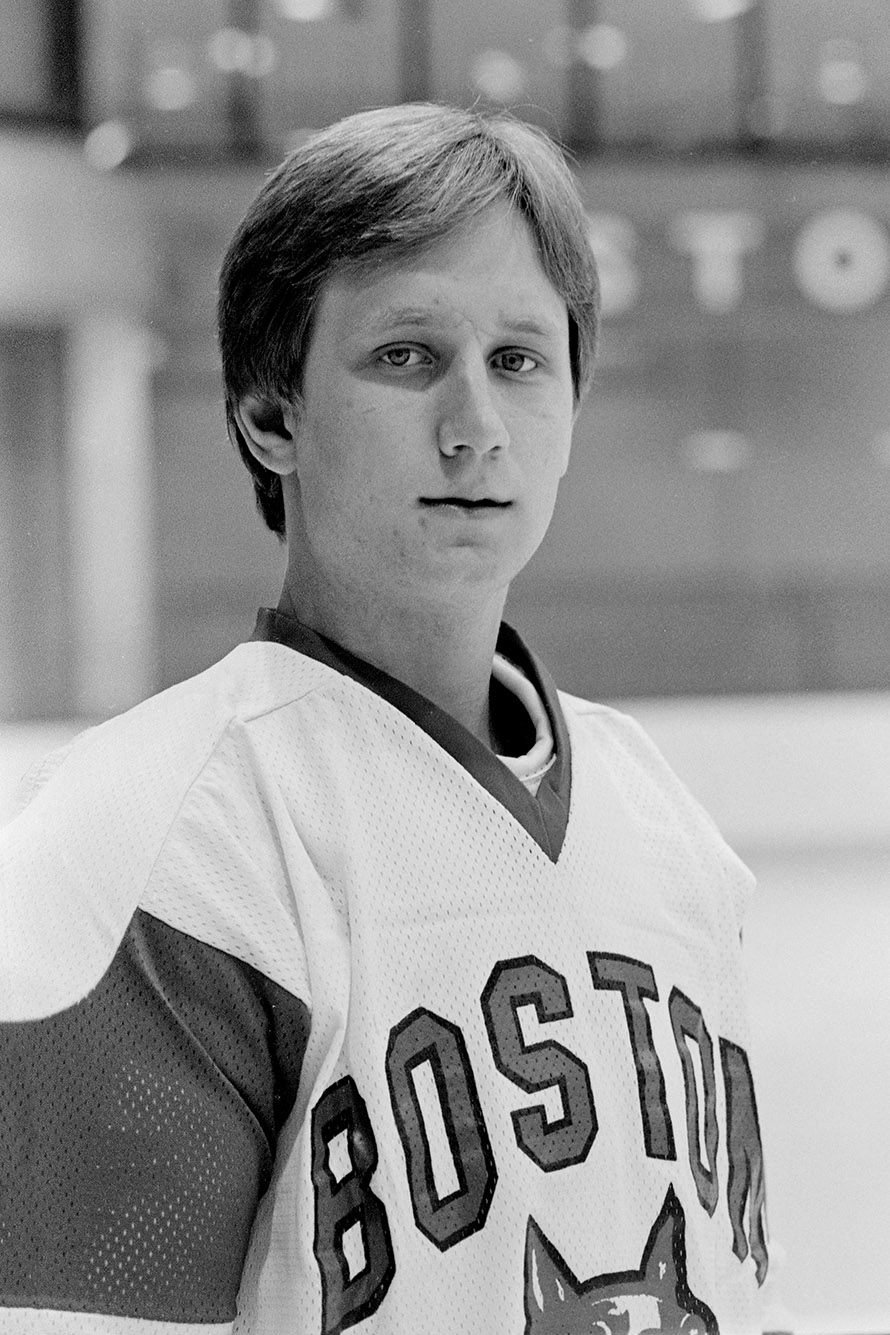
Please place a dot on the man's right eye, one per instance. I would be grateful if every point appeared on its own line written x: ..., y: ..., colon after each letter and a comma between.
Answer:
x: 402, y: 357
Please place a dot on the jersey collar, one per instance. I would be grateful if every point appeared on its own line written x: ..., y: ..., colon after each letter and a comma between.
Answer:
x: 544, y: 815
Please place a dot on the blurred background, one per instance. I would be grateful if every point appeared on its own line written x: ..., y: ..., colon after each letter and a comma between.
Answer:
x: 719, y: 564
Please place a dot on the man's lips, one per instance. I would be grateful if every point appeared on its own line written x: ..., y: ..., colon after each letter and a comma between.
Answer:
x: 466, y: 502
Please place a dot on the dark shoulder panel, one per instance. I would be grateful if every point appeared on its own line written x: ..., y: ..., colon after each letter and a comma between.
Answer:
x: 138, y: 1131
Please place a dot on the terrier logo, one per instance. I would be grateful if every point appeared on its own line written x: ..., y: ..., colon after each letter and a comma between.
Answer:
x: 655, y: 1298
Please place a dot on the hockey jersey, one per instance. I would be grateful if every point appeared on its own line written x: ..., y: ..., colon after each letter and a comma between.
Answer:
x: 316, y: 1017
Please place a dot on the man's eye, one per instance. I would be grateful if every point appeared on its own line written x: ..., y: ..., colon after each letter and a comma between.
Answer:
x: 402, y: 357
x: 516, y: 362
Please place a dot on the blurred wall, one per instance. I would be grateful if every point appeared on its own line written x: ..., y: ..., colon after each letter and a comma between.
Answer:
x: 725, y: 523
x: 78, y: 276
x: 723, y: 527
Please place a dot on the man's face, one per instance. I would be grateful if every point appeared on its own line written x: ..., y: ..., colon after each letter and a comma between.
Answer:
x: 435, y: 421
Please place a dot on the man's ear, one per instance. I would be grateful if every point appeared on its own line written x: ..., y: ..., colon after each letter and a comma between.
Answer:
x: 269, y: 427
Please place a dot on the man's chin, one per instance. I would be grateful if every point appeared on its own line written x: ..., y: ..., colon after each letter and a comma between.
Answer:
x: 461, y: 567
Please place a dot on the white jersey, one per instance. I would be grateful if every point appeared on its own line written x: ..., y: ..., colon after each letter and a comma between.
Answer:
x: 319, y: 1017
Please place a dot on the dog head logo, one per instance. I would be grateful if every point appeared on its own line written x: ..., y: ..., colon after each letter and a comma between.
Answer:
x: 655, y: 1298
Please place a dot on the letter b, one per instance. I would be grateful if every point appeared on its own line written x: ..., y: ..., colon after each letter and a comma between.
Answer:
x: 344, y: 1201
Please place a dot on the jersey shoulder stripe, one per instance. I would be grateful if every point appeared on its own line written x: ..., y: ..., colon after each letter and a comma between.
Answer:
x: 143, y: 1130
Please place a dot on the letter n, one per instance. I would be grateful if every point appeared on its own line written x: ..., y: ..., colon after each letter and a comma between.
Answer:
x: 746, y: 1183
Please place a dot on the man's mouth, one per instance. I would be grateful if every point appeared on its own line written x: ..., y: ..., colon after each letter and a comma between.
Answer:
x: 464, y: 502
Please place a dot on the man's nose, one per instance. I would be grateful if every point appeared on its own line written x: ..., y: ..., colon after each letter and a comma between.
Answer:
x: 470, y: 416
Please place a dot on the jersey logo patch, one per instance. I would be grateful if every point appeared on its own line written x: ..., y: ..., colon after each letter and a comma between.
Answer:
x: 654, y: 1298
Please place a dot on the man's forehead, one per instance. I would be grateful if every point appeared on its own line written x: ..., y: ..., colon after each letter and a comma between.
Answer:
x: 420, y: 317
x: 499, y: 226
x: 437, y: 283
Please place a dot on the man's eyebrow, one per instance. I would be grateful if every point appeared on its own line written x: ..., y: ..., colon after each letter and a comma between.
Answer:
x: 537, y: 328
x: 402, y: 315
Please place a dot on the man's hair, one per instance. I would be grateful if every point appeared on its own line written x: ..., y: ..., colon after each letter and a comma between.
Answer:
x: 385, y: 184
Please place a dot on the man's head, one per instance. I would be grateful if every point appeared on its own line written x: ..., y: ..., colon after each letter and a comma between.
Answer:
x: 381, y: 186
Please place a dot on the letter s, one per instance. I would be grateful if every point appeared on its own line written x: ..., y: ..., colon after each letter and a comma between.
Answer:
x: 535, y: 1067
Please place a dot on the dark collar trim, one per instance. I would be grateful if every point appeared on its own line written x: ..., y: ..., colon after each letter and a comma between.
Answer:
x: 544, y: 816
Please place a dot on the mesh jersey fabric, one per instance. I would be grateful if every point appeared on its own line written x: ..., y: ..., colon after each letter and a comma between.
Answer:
x: 316, y: 1018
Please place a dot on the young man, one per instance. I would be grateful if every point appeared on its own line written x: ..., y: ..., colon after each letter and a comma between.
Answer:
x: 365, y: 980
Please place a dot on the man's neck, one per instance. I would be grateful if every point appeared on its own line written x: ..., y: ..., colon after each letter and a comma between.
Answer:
x: 444, y: 654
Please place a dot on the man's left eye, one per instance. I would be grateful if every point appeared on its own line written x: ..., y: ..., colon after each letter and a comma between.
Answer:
x: 516, y: 362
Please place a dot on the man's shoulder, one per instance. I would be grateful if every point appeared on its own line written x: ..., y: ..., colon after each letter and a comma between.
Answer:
x: 253, y: 679
x: 597, y: 716
x: 608, y: 737
x: 171, y: 733
x: 81, y: 855
x: 616, y: 738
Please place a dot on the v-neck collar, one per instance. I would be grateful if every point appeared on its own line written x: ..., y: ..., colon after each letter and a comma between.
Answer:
x: 544, y: 815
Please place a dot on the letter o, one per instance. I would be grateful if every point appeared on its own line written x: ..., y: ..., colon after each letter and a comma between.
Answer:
x: 842, y: 260
x: 425, y: 1037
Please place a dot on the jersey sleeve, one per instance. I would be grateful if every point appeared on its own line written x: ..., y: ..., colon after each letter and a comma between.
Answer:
x: 138, y: 1129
